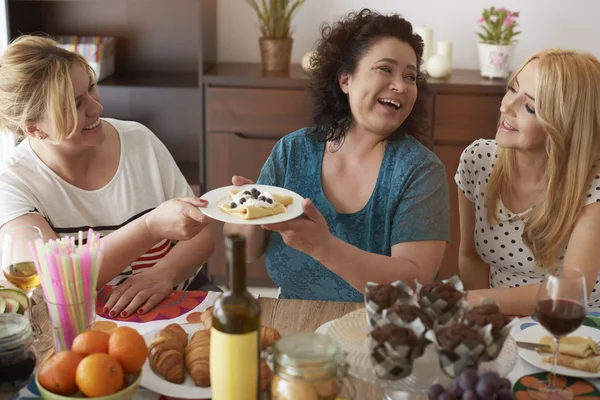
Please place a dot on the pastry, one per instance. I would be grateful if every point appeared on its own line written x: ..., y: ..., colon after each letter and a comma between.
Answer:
x: 252, y: 204
x: 589, y: 364
x: 206, y: 318
x: 575, y: 346
x: 409, y: 312
x: 386, y: 295
x: 197, y: 357
x: 166, y: 353
x: 268, y: 337
x: 441, y: 291
x: 394, y: 335
x: 488, y: 314
x: 451, y: 336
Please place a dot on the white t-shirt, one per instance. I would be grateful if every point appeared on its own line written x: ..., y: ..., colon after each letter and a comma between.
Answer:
x: 500, y: 245
x: 146, y: 177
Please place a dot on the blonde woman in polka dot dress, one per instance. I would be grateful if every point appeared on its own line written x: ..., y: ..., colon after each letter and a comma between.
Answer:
x: 530, y: 200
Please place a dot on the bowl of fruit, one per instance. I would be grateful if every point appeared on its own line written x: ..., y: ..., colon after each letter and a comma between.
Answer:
x: 472, y: 386
x: 98, y: 366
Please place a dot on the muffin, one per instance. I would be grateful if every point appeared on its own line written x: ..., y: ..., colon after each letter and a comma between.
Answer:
x: 445, y: 291
x: 394, y: 335
x: 386, y: 295
x: 488, y: 314
x: 380, y: 297
x: 451, y: 336
x: 393, y: 350
x: 409, y: 312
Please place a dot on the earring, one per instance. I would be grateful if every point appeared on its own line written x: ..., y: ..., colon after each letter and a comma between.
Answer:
x: 41, y: 135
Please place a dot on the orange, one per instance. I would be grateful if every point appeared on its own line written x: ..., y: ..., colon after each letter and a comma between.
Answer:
x: 99, y: 375
x: 129, y: 347
x: 90, y: 342
x: 58, y: 374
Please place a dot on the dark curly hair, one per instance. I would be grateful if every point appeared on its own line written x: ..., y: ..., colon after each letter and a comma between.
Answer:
x: 340, y: 49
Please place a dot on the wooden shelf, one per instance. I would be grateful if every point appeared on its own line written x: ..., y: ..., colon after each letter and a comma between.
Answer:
x: 152, y: 79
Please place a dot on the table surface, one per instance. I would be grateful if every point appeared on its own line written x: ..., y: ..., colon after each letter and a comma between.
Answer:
x: 290, y: 316
x: 287, y: 316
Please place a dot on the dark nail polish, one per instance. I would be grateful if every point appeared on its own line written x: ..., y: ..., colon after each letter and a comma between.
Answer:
x: 123, y: 314
x: 140, y: 311
x: 112, y: 313
x: 105, y: 310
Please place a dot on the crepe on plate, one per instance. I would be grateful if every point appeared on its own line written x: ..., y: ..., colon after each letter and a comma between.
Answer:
x: 252, y: 204
x: 574, y: 352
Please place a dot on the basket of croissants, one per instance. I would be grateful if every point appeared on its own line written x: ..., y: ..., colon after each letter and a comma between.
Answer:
x: 171, y: 354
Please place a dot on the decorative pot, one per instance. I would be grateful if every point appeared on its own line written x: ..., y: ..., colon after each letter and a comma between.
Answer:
x: 275, y: 54
x: 494, y: 60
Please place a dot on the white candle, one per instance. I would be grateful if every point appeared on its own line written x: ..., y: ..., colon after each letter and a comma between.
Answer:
x: 444, y: 48
x: 426, y: 34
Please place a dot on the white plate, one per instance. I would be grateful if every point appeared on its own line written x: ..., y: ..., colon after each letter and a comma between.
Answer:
x: 216, y: 196
x: 158, y: 384
x: 350, y: 332
x: 535, y: 332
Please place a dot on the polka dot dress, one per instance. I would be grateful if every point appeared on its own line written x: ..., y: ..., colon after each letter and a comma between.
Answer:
x: 501, y: 245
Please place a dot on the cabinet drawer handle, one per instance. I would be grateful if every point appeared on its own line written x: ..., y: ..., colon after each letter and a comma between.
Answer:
x: 258, y: 136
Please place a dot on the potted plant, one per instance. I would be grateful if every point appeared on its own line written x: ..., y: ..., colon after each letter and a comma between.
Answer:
x: 497, y: 41
x: 274, y: 19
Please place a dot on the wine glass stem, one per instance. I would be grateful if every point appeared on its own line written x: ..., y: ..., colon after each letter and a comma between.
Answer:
x: 554, y: 363
x: 35, y: 328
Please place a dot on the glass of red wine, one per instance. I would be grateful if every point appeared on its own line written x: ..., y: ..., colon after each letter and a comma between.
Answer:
x: 561, y: 308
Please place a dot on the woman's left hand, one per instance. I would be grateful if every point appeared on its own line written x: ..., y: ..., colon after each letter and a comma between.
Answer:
x: 139, y: 294
x: 308, y: 234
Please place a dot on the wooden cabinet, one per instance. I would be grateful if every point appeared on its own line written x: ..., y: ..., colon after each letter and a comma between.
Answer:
x: 243, y: 125
x: 248, y: 111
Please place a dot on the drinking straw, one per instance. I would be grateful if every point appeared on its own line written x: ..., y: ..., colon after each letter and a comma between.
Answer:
x: 68, y: 273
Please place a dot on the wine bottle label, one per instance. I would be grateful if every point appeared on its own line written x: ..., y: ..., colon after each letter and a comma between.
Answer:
x: 234, y: 365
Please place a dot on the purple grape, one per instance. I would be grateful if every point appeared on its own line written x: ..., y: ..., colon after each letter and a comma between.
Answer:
x: 470, y: 395
x: 434, y: 391
x: 447, y: 396
x: 468, y: 379
x: 487, y: 386
x: 504, y: 394
x: 454, y: 387
x: 505, y: 384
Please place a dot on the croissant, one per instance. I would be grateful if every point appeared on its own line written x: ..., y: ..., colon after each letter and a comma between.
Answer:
x: 206, y: 318
x: 268, y: 336
x: 265, y: 376
x: 166, y: 353
x: 197, y: 355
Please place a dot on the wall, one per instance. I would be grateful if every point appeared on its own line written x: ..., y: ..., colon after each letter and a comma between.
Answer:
x: 544, y: 23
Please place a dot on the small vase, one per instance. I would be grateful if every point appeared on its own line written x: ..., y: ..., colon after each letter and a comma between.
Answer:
x: 275, y: 54
x: 494, y: 60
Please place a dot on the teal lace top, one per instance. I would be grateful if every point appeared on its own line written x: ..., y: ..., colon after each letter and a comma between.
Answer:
x: 409, y: 203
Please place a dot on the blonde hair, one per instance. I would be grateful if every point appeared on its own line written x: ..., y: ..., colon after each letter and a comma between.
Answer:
x: 35, y: 84
x: 567, y: 104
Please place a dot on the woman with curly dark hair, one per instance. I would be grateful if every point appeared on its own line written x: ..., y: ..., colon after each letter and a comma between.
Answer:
x: 376, y: 205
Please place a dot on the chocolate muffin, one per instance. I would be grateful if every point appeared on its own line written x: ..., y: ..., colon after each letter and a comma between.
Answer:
x: 395, y: 335
x: 488, y: 314
x: 451, y: 336
x: 440, y: 290
x: 408, y: 313
x: 386, y: 295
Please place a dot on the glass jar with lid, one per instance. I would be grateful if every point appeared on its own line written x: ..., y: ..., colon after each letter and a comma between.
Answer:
x: 307, y: 366
x: 17, y: 356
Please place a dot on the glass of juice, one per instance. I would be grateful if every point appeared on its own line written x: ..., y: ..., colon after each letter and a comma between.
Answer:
x: 19, y: 270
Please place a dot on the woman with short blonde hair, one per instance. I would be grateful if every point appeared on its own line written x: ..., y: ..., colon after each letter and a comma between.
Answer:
x: 74, y: 170
x: 528, y: 199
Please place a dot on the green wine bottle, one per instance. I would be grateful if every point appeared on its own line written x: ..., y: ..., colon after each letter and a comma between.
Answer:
x: 235, y: 333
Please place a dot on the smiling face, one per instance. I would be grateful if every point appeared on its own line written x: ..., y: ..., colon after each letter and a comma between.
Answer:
x: 89, y: 131
x: 383, y: 88
x: 519, y: 127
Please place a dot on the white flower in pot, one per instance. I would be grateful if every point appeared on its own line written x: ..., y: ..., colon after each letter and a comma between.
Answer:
x: 496, y: 46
